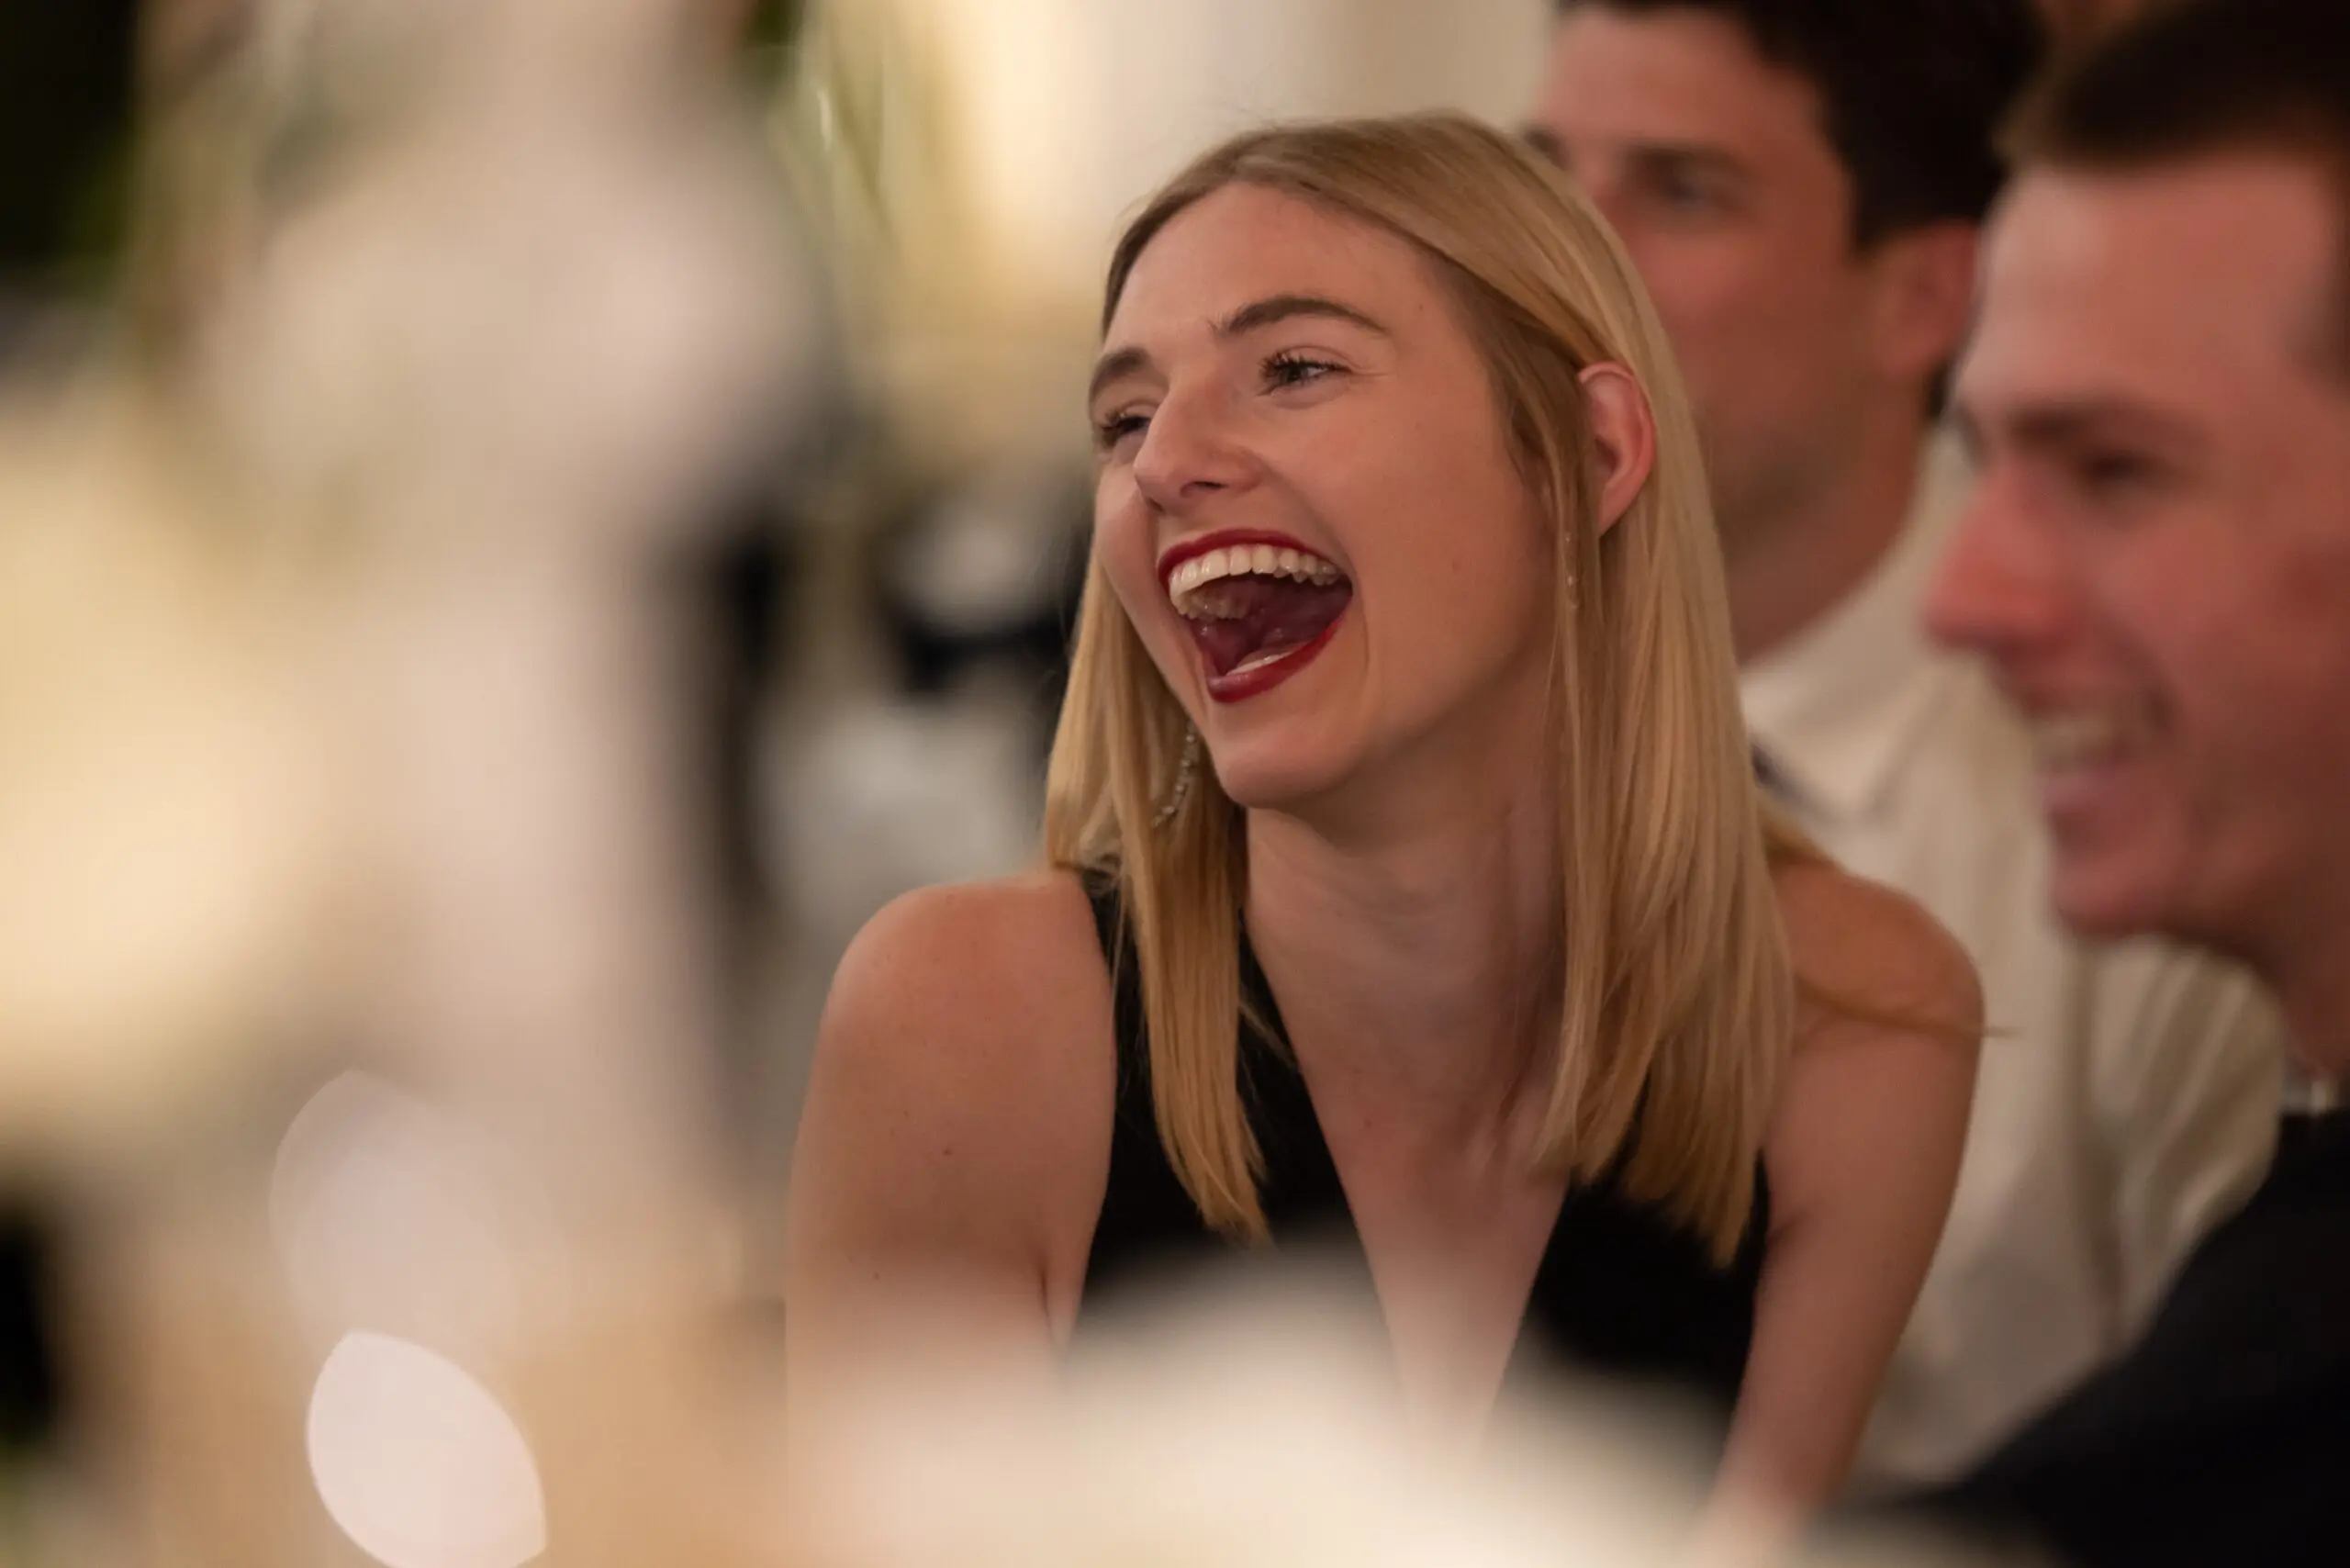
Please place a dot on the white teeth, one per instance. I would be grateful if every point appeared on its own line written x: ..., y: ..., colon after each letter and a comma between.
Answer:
x: 1259, y: 661
x: 1183, y: 584
x: 2077, y: 739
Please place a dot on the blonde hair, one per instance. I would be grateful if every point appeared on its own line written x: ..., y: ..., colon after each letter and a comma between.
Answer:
x: 1679, y: 999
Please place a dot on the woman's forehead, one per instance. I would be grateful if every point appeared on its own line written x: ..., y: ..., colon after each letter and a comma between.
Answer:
x: 1243, y: 242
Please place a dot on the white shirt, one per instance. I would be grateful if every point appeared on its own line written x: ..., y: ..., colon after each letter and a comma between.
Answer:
x: 2129, y: 1091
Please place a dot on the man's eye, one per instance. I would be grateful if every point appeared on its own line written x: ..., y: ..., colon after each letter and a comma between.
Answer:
x: 2114, y: 473
x: 1687, y: 194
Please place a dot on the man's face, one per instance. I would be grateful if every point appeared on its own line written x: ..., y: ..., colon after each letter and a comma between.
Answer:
x: 1715, y: 168
x: 2157, y: 559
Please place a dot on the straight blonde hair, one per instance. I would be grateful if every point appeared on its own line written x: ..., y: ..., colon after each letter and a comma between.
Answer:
x: 1679, y: 1001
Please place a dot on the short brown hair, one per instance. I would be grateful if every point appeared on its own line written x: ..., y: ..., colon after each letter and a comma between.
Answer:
x: 2202, y: 79
x: 1911, y: 92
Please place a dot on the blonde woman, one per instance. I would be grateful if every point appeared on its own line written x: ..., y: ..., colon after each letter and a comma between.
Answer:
x: 1408, y: 881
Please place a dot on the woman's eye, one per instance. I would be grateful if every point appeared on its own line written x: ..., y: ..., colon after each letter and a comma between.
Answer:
x: 1114, y: 431
x: 1296, y: 370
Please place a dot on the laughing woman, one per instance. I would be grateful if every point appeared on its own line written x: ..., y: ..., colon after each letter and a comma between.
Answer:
x: 1408, y: 874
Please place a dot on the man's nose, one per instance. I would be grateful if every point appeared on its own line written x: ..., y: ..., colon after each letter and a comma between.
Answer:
x: 2001, y: 587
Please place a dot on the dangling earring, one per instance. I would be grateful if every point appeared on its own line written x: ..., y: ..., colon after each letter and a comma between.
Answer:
x: 1184, y: 771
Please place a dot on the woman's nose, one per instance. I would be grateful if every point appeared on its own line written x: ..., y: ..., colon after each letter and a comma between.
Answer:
x: 1191, y: 452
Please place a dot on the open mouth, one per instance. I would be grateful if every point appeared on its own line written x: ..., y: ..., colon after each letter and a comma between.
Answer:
x: 2085, y: 738
x: 1259, y: 610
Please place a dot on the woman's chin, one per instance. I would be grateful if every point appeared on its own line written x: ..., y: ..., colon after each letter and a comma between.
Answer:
x: 1289, y: 779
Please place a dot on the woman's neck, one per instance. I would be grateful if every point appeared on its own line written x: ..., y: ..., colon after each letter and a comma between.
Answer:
x: 1417, y: 958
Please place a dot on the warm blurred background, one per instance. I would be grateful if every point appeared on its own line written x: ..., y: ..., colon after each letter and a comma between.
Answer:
x: 521, y: 523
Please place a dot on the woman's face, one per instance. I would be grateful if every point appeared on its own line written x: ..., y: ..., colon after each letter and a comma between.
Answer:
x: 1308, y: 507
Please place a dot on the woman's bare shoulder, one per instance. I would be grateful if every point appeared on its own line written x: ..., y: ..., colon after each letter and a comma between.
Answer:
x: 996, y: 979
x: 955, y: 1141
x: 1871, y: 953
x: 1863, y: 1153
x: 964, y: 1073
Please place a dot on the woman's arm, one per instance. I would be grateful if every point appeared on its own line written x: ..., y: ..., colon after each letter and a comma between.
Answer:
x: 953, y: 1150
x: 1862, y: 1154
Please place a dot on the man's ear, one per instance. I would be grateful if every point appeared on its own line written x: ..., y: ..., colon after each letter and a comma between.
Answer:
x: 1623, y: 429
x: 1924, y: 298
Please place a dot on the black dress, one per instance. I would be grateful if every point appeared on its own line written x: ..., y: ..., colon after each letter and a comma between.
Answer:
x: 1622, y: 1291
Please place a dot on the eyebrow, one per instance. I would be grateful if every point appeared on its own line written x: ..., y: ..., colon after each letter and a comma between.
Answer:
x: 1647, y: 156
x: 1250, y: 318
x: 1653, y: 157
x: 2071, y: 422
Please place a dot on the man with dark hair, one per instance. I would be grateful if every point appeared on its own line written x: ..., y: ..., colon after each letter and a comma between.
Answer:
x: 1802, y: 183
x: 2157, y: 566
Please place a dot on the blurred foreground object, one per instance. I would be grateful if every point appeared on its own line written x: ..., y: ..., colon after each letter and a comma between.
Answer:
x: 166, y: 816
x: 1255, y: 1432
x: 499, y: 305
x: 358, y: 1000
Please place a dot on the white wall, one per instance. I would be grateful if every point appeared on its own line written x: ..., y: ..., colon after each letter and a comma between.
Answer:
x: 1070, y: 111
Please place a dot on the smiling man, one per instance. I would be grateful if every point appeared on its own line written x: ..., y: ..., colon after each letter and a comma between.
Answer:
x: 1801, y: 183
x: 2157, y: 566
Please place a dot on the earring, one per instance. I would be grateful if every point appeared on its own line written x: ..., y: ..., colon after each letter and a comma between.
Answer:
x: 1184, y: 771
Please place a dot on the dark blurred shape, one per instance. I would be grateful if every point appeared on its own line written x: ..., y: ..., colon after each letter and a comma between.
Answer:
x: 741, y: 582
x: 68, y: 75
x: 2074, y: 22
x: 28, y: 1390
x: 774, y: 26
x: 980, y: 581
x: 2224, y: 1437
x: 67, y: 80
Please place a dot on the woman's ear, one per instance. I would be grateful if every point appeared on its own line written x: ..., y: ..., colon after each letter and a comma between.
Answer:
x: 1623, y: 429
